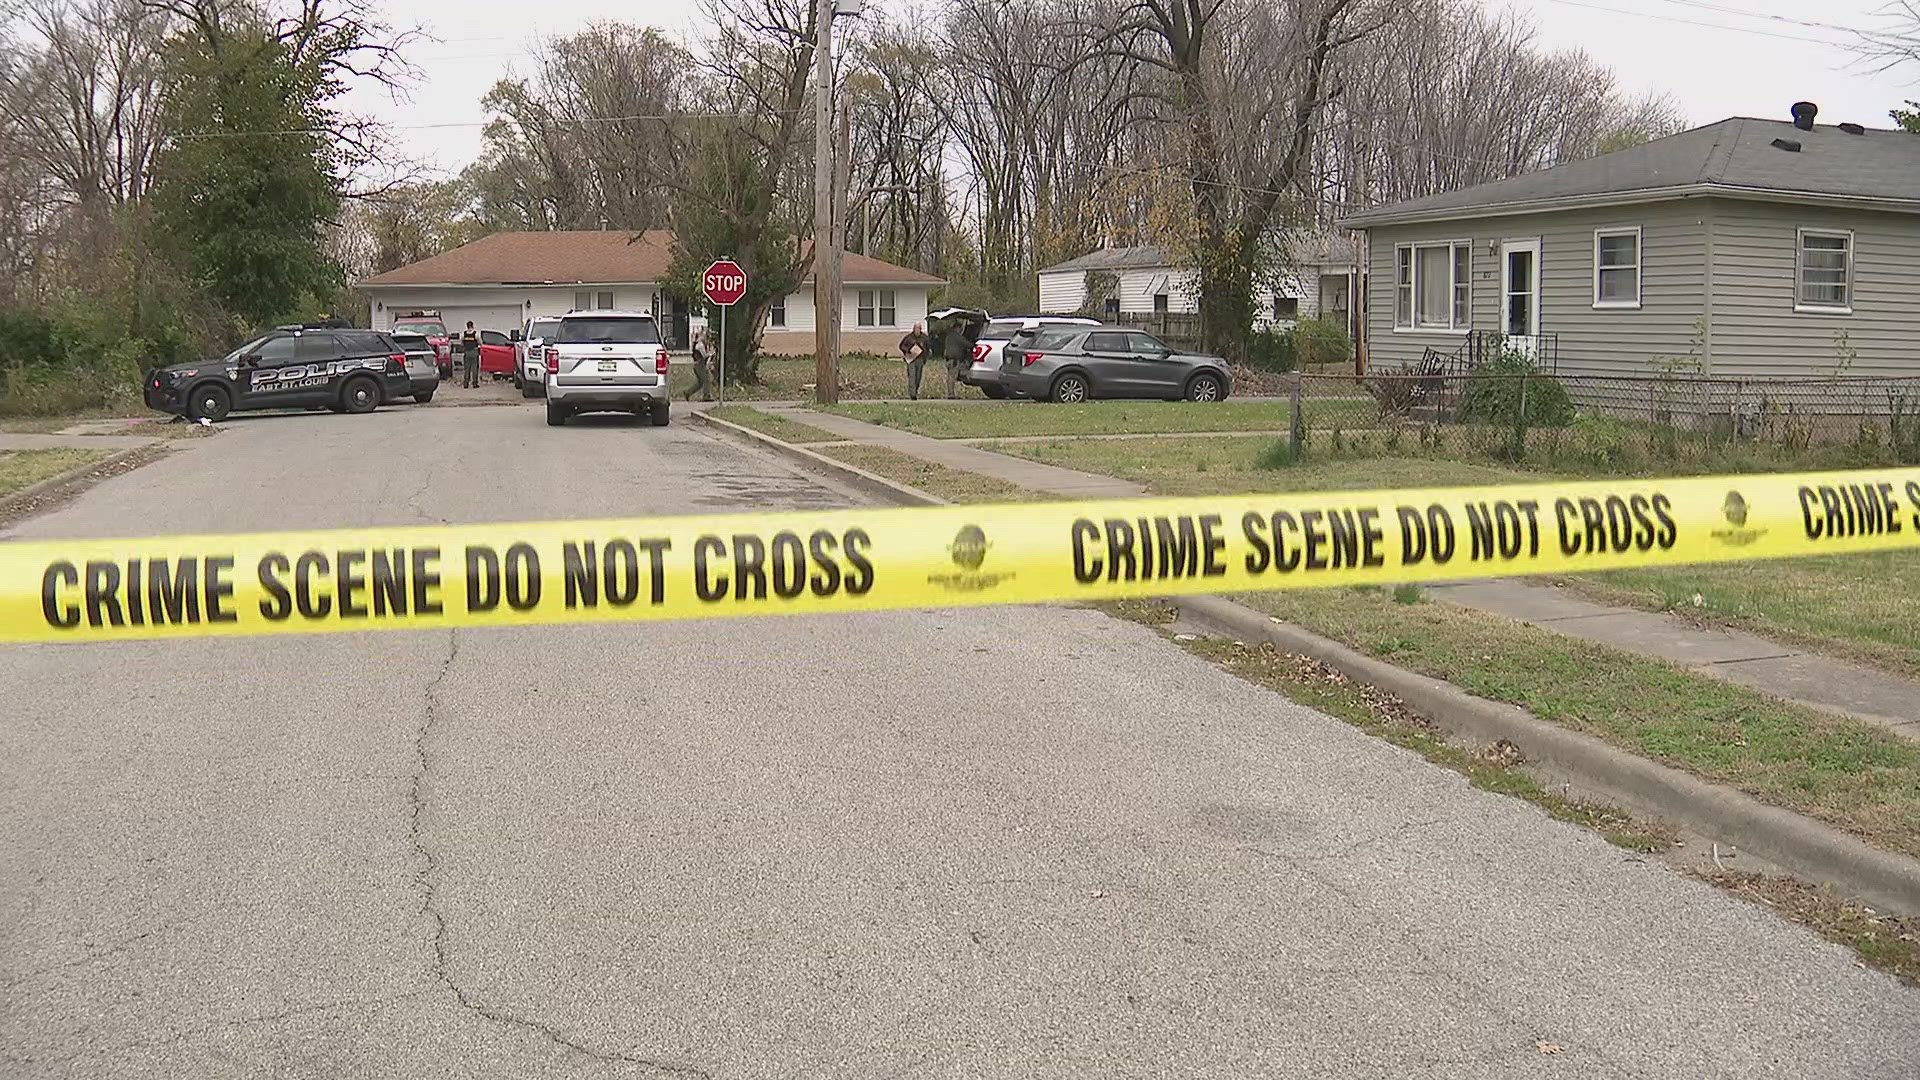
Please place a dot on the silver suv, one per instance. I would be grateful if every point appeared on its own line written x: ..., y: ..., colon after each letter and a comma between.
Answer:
x: 606, y: 361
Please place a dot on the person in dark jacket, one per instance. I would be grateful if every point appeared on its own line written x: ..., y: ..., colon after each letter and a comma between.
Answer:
x: 959, y: 352
x: 913, y: 349
x: 470, y: 356
x: 702, y: 372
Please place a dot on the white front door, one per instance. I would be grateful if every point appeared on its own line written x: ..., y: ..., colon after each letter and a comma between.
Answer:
x: 1520, y: 294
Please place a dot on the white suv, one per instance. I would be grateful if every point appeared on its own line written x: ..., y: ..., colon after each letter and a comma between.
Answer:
x: 606, y: 361
x: 530, y: 354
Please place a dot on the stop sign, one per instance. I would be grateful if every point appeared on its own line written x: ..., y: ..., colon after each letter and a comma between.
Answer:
x: 724, y: 282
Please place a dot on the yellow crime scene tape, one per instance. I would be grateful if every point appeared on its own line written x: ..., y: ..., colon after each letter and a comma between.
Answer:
x: 863, y: 560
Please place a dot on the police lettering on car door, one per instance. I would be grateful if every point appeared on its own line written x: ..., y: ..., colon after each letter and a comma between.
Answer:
x: 308, y: 376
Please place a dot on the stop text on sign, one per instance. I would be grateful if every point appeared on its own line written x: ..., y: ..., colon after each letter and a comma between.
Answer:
x: 725, y: 283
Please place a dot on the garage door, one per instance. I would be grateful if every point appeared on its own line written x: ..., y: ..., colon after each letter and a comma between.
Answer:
x: 502, y: 317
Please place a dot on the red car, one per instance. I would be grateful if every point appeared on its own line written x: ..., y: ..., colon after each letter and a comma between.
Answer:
x: 429, y: 325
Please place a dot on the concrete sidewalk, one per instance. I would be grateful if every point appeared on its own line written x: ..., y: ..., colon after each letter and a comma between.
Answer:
x: 1821, y: 682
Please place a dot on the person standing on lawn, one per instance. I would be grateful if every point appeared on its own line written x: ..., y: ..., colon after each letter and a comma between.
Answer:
x: 470, y: 357
x: 959, y: 353
x: 702, y: 356
x: 913, y: 349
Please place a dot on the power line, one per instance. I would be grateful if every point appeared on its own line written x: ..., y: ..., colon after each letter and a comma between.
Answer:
x: 1701, y: 22
x: 1880, y: 35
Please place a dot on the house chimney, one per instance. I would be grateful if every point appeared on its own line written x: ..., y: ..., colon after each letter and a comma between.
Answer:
x: 1803, y: 114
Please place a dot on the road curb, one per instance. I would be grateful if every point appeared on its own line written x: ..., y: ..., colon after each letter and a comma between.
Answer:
x: 41, y: 487
x: 852, y: 475
x: 1808, y: 848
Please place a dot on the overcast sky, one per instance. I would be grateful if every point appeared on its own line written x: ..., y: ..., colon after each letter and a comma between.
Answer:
x: 1719, y: 58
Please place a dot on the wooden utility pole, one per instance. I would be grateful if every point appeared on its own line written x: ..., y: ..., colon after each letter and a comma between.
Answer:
x: 842, y: 180
x: 826, y: 289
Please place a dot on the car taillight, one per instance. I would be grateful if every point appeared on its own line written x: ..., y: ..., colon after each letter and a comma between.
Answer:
x: 399, y: 359
x: 660, y: 361
x: 1027, y: 359
x: 553, y: 360
x: 979, y: 352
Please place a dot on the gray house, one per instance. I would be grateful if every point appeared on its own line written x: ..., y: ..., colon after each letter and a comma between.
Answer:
x: 1746, y: 248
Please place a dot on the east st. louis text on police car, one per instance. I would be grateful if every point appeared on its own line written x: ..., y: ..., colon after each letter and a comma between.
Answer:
x: 380, y: 583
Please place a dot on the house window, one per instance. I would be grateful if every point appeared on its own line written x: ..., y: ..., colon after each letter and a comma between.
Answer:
x: 1113, y: 307
x: 583, y: 301
x: 1616, y: 268
x: 604, y: 301
x: 777, y: 314
x: 866, y: 307
x: 1286, y: 307
x: 1825, y: 277
x: 1160, y: 303
x: 1433, y: 286
x: 888, y: 313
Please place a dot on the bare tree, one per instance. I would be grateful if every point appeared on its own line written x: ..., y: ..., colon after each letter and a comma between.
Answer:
x: 1247, y: 81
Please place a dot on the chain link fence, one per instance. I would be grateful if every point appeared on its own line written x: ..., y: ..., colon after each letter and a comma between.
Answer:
x: 1607, y: 420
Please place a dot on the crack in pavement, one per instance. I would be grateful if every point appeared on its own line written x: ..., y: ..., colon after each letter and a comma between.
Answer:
x: 426, y: 881
x: 182, y: 1034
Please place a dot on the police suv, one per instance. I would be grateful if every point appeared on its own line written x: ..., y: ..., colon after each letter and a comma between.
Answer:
x: 291, y: 367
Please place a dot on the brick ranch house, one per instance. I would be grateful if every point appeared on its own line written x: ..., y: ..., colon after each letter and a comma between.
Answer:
x: 501, y: 280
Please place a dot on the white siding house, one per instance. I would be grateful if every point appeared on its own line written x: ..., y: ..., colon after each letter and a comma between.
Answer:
x: 501, y: 280
x: 1147, y: 283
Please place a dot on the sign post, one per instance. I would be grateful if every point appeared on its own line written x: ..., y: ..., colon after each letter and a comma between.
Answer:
x: 725, y: 285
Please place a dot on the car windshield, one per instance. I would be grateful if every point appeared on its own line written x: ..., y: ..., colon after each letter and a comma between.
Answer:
x: 543, y: 329
x: 608, y: 328
x: 427, y: 327
x: 410, y: 340
x: 1001, y: 329
x: 251, y: 346
x: 1054, y: 339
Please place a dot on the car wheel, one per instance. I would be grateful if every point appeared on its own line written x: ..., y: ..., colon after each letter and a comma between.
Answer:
x: 997, y: 393
x: 423, y: 396
x: 360, y: 396
x: 1069, y: 389
x: 662, y: 414
x: 556, y: 415
x: 1204, y: 387
x: 210, y: 402
x: 529, y: 388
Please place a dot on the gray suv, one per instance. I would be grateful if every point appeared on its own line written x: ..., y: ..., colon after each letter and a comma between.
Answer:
x: 1079, y: 363
x: 606, y: 361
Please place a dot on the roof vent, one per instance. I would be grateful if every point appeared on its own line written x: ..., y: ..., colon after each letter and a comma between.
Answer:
x: 1853, y: 129
x: 1803, y: 114
x: 1789, y: 145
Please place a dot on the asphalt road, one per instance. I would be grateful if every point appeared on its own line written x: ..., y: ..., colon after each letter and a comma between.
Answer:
x: 1026, y: 842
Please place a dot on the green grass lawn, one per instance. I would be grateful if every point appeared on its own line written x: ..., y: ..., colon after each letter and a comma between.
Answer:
x: 941, y: 420
x: 1232, y: 465
x: 779, y: 427
x: 1842, y: 771
x: 23, y: 468
x: 791, y: 378
x: 954, y: 485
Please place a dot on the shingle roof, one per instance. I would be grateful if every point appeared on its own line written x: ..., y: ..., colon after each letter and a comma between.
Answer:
x: 610, y: 256
x: 1736, y: 154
